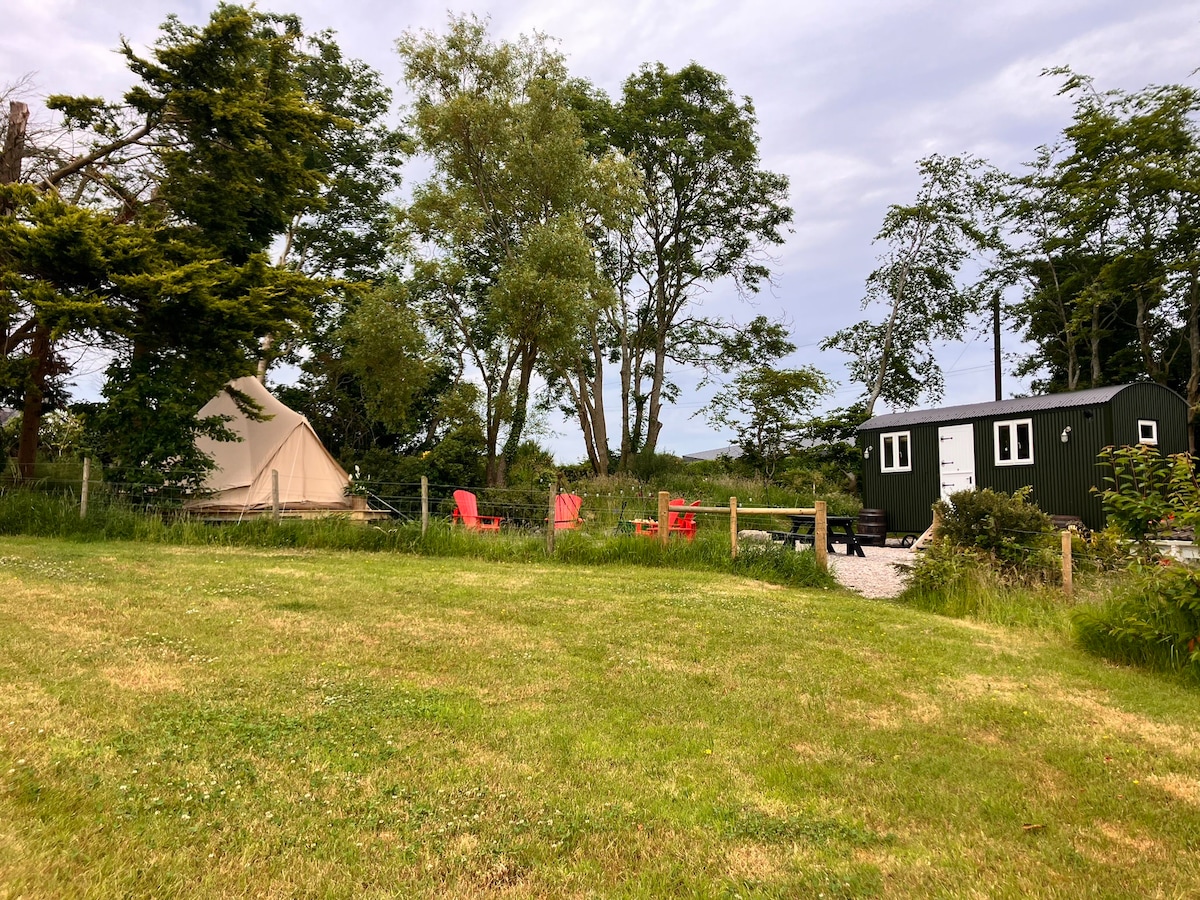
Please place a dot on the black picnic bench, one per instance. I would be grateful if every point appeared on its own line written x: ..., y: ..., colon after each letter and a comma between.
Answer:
x: 838, y: 530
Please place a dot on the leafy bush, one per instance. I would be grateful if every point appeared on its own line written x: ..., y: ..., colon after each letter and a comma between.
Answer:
x: 1008, y: 527
x: 1153, y: 621
x: 993, y: 558
x: 1149, y: 495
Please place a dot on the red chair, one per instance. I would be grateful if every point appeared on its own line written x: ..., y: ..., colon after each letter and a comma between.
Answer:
x: 675, y: 521
x: 685, y: 524
x: 467, y: 511
x: 566, y: 511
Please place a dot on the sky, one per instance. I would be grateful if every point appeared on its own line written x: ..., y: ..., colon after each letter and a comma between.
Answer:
x: 849, y: 95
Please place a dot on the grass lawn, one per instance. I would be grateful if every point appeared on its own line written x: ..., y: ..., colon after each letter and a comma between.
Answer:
x: 208, y: 722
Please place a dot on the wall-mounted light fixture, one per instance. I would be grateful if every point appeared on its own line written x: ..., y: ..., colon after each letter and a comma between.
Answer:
x: 867, y: 452
x: 1066, y: 434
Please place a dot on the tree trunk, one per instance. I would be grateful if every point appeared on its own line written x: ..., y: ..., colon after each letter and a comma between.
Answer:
x: 31, y: 414
x: 626, y: 387
x: 519, y: 412
x: 653, y: 423
x: 1146, y: 338
x: 599, y: 421
x: 14, y: 144
x: 587, y: 393
x: 884, y: 358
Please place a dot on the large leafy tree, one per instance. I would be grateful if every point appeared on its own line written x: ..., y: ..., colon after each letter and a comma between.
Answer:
x: 169, y: 199
x: 708, y: 212
x: 1108, y: 241
x: 347, y: 233
x: 374, y: 386
x: 504, y: 269
x: 919, y: 285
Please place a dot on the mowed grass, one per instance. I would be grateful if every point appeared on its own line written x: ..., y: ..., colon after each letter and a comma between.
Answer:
x: 223, y: 722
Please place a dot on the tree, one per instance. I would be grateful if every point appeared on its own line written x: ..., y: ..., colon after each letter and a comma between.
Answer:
x: 505, y: 272
x: 708, y: 213
x: 917, y: 284
x: 347, y: 233
x: 375, y: 383
x: 1108, y: 242
x: 768, y: 410
x: 165, y: 204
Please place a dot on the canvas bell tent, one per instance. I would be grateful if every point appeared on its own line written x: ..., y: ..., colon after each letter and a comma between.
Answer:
x: 283, y: 441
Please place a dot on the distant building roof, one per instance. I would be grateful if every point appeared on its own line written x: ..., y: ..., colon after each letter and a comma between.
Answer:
x: 733, y: 451
x: 1088, y: 397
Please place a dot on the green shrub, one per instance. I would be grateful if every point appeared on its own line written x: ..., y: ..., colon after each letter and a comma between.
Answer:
x: 1149, y: 495
x: 1154, y: 620
x: 1009, y: 527
x: 995, y: 558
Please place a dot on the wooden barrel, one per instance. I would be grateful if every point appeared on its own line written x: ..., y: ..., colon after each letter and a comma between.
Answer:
x: 872, y: 527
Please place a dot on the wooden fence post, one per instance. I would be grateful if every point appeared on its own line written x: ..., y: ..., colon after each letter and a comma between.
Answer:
x: 1067, y: 575
x: 550, y: 523
x: 664, y: 516
x: 275, y: 494
x: 733, y: 526
x: 821, y: 537
x: 424, y: 505
x: 83, y: 490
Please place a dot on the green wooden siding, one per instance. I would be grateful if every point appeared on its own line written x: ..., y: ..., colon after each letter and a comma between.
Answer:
x: 906, y: 496
x: 1062, y: 474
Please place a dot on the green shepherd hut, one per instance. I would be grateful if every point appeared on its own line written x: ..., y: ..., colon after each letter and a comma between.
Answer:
x: 912, y: 459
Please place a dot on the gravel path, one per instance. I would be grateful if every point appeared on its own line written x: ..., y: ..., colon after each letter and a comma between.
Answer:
x: 874, y: 575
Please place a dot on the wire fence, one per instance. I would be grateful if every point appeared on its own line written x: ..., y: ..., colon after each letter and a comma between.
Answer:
x: 525, y: 507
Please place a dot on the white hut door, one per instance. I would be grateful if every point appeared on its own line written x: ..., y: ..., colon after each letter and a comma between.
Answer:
x: 956, y: 445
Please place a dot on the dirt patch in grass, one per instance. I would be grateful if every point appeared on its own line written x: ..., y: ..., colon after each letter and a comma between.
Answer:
x: 144, y: 677
x: 972, y: 685
x: 1134, y: 849
x: 1178, y: 786
x: 1177, y: 740
x: 753, y: 862
x: 890, y: 716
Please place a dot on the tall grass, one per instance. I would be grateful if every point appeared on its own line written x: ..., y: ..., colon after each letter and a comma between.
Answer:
x: 970, y: 584
x: 50, y: 515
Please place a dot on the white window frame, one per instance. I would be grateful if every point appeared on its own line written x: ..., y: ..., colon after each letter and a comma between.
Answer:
x: 896, y: 437
x: 1151, y: 441
x: 1011, y: 426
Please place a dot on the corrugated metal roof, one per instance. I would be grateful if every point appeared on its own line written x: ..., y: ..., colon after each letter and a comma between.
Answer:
x: 733, y: 451
x: 1089, y: 397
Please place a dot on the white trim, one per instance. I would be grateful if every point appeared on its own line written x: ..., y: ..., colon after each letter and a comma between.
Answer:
x: 902, y: 449
x: 1012, y: 426
x: 1153, y: 439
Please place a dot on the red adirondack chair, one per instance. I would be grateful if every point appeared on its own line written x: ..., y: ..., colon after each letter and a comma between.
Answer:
x: 677, y: 522
x: 467, y: 511
x: 566, y: 511
x: 685, y: 524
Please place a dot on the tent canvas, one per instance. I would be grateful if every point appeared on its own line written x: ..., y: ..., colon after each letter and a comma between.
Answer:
x: 309, y: 477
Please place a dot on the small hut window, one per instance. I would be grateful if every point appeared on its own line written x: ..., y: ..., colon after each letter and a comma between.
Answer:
x: 894, y: 455
x: 1148, y: 431
x: 1014, y: 443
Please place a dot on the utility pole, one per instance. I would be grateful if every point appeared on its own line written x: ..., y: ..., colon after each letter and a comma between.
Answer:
x: 996, y: 342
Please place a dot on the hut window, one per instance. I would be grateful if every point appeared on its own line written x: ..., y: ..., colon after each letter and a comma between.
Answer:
x: 1148, y: 431
x: 894, y: 453
x: 1014, y: 443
